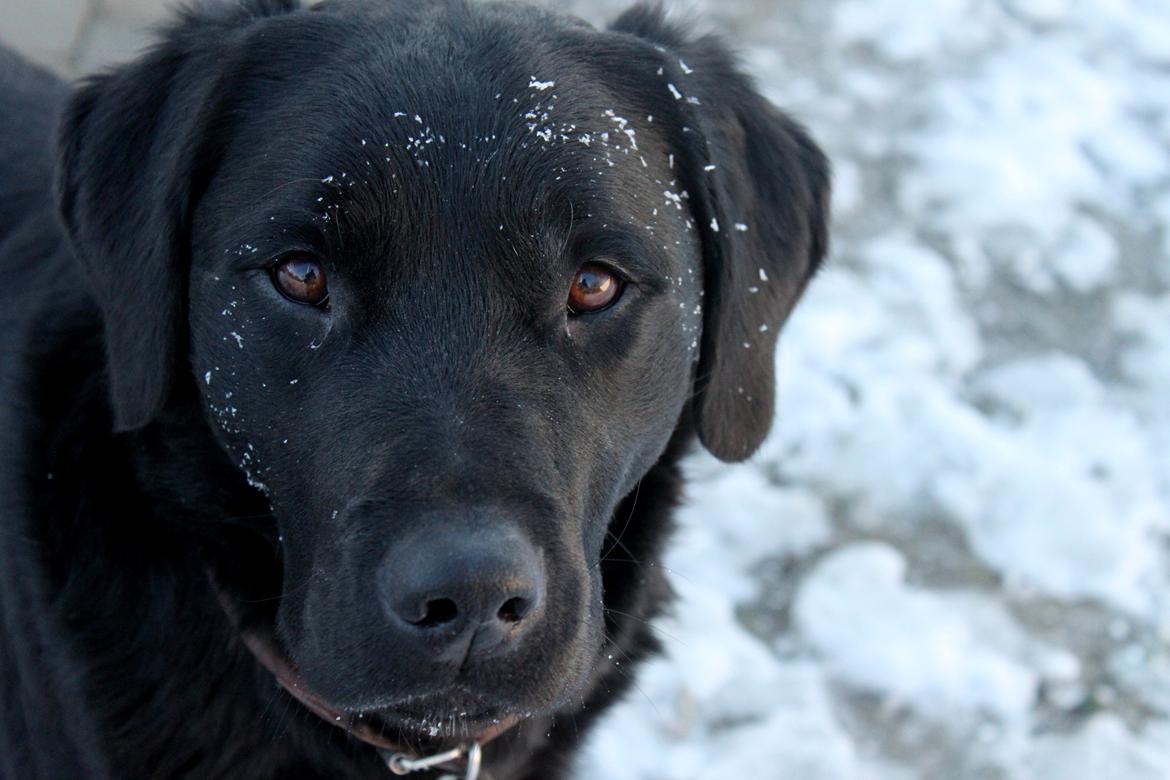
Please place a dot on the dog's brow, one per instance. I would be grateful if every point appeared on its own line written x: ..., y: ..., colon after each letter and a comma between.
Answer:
x: 634, y: 252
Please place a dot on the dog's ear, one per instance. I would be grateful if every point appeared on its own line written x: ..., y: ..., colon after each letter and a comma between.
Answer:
x: 759, y: 188
x: 134, y: 146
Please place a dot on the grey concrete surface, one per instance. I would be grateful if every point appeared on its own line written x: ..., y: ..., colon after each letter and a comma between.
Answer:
x: 77, y: 36
x: 74, y: 37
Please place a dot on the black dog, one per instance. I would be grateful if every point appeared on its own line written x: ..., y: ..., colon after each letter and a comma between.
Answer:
x: 356, y: 347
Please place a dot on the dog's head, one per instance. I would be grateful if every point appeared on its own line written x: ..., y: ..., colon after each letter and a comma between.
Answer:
x: 446, y: 282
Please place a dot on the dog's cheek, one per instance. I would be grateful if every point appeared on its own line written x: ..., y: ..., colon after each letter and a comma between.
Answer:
x: 218, y: 367
x: 570, y: 649
x: 229, y: 355
x: 251, y: 364
x: 655, y: 383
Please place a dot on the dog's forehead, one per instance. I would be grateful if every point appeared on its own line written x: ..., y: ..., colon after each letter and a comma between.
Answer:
x: 414, y: 80
x: 451, y: 142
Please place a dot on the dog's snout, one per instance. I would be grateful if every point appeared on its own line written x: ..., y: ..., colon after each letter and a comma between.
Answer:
x: 466, y: 593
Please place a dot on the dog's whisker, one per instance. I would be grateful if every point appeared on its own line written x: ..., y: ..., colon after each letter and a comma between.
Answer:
x: 618, y: 543
x: 654, y: 626
x: 633, y: 506
x: 625, y: 674
x: 284, y: 592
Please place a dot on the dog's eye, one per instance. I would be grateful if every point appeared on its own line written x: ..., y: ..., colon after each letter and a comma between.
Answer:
x: 595, y: 287
x: 300, y: 278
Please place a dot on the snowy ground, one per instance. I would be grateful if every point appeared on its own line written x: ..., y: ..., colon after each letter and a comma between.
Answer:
x: 950, y: 561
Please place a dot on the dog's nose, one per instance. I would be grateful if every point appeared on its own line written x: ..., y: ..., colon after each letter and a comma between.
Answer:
x: 466, y: 593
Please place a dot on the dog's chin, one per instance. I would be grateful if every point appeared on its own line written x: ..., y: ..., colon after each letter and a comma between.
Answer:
x: 419, y: 725
x: 416, y: 724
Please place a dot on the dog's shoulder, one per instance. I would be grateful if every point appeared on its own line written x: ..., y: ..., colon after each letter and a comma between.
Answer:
x: 31, y: 99
x: 35, y: 665
x: 33, y: 257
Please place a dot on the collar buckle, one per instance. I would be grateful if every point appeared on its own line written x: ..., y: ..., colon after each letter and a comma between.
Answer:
x: 404, y: 763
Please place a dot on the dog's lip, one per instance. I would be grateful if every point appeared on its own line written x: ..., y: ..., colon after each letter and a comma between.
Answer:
x: 368, y: 730
x: 370, y: 727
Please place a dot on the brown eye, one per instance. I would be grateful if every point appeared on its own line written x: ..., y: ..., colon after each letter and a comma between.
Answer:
x: 594, y: 288
x: 301, y: 278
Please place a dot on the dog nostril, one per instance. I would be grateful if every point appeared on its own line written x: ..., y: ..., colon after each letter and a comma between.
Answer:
x: 513, y: 610
x: 438, y: 612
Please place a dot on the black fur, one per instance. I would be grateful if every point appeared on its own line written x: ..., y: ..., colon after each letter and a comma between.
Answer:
x: 169, y: 421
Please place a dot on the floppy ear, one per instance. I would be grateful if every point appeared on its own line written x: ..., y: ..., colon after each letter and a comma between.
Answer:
x: 760, y: 190
x: 134, y: 148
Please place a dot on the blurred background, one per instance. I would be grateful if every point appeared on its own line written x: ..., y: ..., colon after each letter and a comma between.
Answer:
x: 950, y: 559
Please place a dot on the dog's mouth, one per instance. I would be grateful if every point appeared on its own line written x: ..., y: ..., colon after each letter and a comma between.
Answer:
x: 419, y: 727
x: 398, y: 731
